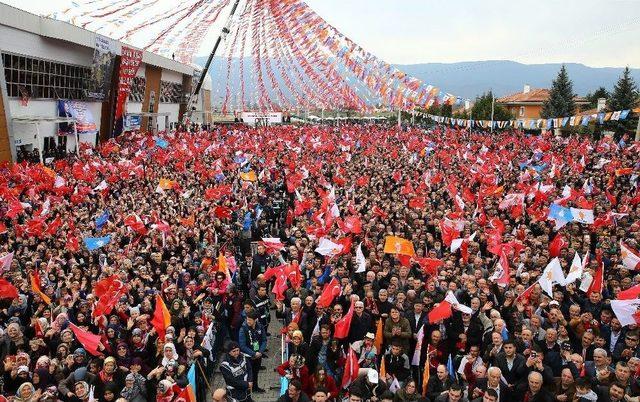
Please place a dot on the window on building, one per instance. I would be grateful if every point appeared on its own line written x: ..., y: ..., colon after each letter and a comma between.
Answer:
x: 44, y: 79
x: 521, y: 111
x: 170, y: 92
x: 137, y: 89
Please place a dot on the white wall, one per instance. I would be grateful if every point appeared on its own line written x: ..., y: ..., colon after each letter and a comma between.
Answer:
x: 134, y: 107
x: 171, y: 76
x: 21, y: 42
x: 172, y: 108
x: 26, y: 133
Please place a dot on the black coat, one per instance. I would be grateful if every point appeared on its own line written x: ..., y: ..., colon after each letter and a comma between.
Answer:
x: 360, y: 326
x: 518, y: 370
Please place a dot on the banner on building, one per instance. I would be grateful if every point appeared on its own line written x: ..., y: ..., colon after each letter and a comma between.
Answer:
x: 130, y: 61
x: 85, y: 122
x: 101, y: 69
x: 132, y: 122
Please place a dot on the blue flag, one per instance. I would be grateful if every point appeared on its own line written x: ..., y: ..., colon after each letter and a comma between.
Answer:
x: 162, y: 143
x: 450, y: 369
x: 246, y: 224
x: 624, y: 114
x: 561, y: 215
x: 191, y: 377
x: 102, y: 220
x: 94, y: 243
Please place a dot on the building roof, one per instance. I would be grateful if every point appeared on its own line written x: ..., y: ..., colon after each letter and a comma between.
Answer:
x: 55, y: 29
x: 534, y: 96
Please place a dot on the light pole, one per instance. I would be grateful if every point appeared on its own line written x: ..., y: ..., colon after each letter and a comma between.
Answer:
x: 492, y: 108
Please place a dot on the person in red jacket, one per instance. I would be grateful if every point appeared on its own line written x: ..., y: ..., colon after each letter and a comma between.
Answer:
x: 320, y: 379
x: 295, y: 368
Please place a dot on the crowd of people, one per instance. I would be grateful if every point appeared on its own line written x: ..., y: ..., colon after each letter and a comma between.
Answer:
x: 392, y: 264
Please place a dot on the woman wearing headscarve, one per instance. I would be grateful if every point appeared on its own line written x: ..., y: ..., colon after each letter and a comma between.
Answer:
x: 14, y: 339
x: 123, y: 358
x: 111, y: 373
x: 27, y: 393
x: 42, y: 379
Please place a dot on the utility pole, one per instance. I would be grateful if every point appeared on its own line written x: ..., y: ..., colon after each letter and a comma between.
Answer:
x: 196, y: 91
x: 492, y: 107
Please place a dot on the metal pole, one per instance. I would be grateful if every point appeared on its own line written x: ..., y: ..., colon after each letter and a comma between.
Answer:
x: 492, y: 107
x: 39, y: 141
x: 75, y: 133
x: 223, y: 34
x: 399, y: 119
x: 322, y: 116
x: 638, y: 129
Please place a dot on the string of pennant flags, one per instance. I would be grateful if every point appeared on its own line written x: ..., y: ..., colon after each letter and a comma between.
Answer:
x: 556, y: 122
x: 294, y: 58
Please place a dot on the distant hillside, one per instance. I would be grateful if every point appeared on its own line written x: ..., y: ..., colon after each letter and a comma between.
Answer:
x: 465, y: 79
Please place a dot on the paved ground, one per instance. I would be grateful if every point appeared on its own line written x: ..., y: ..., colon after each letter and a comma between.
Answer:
x: 268, y: 379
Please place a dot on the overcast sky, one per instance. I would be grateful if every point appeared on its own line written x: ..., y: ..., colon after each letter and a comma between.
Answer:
x: 596, y: 33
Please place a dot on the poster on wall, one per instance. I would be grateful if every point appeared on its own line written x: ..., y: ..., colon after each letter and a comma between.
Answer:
x: 132, y: 122
x: 101, y: 69
x: 130, y: 61
x: 79, y: 111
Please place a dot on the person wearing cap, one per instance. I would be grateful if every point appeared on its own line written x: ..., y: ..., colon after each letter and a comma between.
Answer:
x: 368, y: 385
x: 364, y: 347
x: 361, y: 323
x: 261, y: 303
x: 237, y: 373
x: 253, y: 342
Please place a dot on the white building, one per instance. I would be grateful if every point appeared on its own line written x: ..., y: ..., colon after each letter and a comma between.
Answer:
x: 46, y: 60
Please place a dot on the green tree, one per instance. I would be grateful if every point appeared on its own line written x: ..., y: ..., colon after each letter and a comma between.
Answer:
x: 623, y: 97
x: 593, y: 97
x: 481, y: 109
x: 445, y: 110
x: 560, y: 102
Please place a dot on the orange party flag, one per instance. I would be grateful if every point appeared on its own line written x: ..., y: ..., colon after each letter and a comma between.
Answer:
x: 377, y: 342
x: 35, y: 286
x: 161, y: 317
x: 398, y: 245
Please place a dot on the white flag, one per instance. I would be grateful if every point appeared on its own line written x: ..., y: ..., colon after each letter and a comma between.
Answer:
x: 451, y: 298
x: 625, y: 309
x: 102, y: 186
x: 5, y: 262
x: 360, y: 260
x: 415, y: 361
x: 582, y: 215
x: 575, y: 272
x: 551, y: 274
x: 630, y: 257
x: 457, y: 243
x: 327, y: 247
x: 208, y: 340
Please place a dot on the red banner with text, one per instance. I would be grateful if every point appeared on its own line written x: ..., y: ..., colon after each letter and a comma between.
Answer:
x: 130, y: 61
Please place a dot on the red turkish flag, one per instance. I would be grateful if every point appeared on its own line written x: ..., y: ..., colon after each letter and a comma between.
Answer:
x: 441, y: 312
x: 418, y: 202
x: 629, y: 294
x: 331, y: 291
x: 88, y: 340
x: 343, y: 326
x: 556, y: 245
x: 429, y: 265
x: 351, y: 369
x: 7, y: 290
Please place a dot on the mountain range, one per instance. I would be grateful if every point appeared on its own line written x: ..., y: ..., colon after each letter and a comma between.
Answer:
x: 466, y: 79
